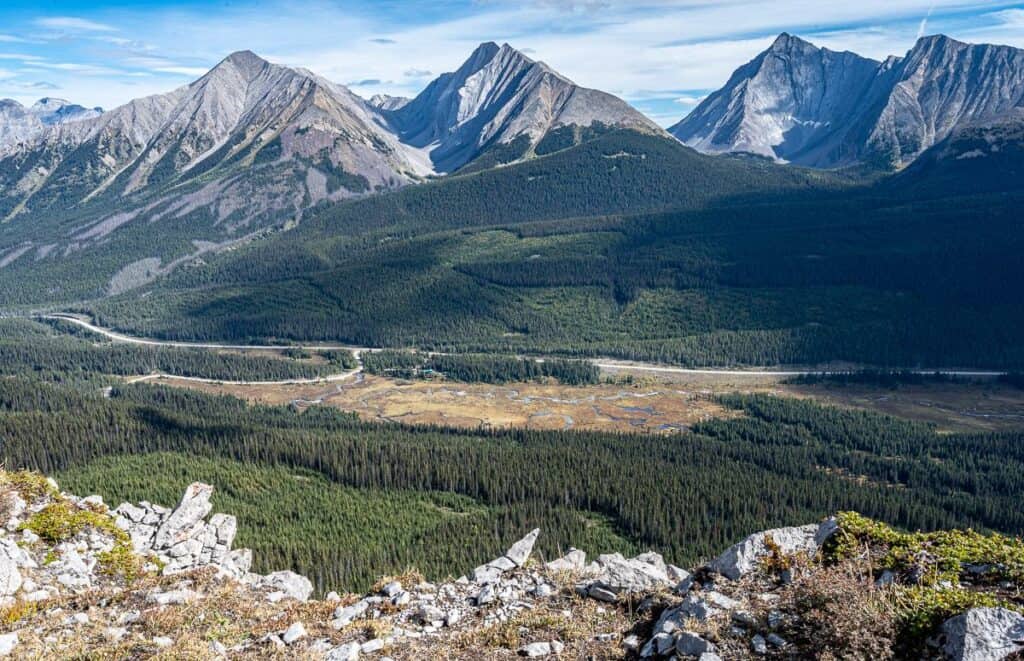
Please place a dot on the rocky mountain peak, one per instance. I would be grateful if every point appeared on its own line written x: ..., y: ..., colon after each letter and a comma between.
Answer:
x: 388, y: 102
x: 812, y: 106
x: 479, y: 58
x: 787, y: 43
x: 248, y: 63
x: 496, y: 96
x: 49, y: 104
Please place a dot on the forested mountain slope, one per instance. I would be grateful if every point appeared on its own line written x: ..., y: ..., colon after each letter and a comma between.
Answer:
x: 646, y: 256
x: 604, y: 171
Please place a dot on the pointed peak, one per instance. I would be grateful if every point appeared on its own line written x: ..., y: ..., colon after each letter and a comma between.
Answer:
x: 786, y: 42
x: 246, y: 61
x: 489, y: 52
x: 935, y: 45
x: 484, y: 53
x: 938, y: 40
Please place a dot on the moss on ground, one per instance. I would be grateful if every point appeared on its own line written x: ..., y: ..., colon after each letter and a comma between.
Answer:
x: 938, y: 557
x: 62, y: 520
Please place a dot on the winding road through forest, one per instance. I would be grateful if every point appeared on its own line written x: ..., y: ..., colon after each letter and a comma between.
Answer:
x: 605, y: 364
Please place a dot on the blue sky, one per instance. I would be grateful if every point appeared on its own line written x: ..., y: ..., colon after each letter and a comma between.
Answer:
x: 662, y: 56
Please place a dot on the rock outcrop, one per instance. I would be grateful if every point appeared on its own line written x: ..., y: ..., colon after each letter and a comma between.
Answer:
x: 984, y: 634
x: 142, y: 580
x: 744, y: 557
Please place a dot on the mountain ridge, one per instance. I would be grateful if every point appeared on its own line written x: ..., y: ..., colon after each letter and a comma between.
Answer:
x: 496, y: 96
x: 798, y: 103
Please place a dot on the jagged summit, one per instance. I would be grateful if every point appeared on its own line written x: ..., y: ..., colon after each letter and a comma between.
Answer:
x: 388, y: 102
x: 786, y: 42
x: 800, y: 103
x: 792, y: 102
x: 496, y: 96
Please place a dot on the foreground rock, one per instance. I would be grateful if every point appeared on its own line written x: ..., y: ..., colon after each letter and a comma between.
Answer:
x: 181, y: 539
x: 984, y: 634
x: 143, y: 581
x: 744, y: 557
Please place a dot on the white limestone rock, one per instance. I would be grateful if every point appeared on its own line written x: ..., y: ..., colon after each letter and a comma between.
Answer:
x: 744, y: 557
x: 291, y: 584
x: 983, y: 634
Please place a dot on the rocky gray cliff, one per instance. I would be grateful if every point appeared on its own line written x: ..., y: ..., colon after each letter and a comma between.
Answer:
x: 496, y: 96
x: 811, y: 106
x: 142, y: 581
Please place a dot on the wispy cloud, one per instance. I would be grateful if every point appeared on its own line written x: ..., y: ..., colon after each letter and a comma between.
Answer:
x: 182, y: 71
x: 923, y: 27
x: 74, y: 23
x: 23, y: 57
x: 689, y: 100
x: 661, y: 55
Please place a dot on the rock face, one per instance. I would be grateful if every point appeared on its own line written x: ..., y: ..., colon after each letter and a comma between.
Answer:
x: 812, y: 106
x: 983, y: 634
x: 792, y: 102
x: 499, y: 95
x: 744, y: 557
x: 244, y: 113
x: 613, y: 576
x: 181, y: 539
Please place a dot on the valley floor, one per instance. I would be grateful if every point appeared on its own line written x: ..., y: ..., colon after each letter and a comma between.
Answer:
x: 647, y: 405
x: 643, y: 398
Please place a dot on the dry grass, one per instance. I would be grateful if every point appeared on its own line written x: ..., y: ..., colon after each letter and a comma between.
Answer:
x: 838, y: 613
x: 573, y: 621
x: 648, y: 407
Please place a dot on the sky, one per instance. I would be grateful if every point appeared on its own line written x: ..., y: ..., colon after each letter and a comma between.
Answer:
x: 663, y: 56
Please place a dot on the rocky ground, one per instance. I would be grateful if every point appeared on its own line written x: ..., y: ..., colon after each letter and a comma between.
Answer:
x: 81, y: 580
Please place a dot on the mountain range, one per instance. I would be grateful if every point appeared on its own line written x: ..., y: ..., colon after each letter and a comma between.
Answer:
x: 304, y: 138
x: 102, y: 204
x: 812, y: 106
x: 18, y: 123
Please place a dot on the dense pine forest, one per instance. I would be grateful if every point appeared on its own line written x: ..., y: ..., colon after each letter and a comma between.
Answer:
x: 345, y: 500
x: 480, y: 368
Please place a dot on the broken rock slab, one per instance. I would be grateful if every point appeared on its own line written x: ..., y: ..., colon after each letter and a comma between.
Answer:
x: 614, y: 575
x: 183, y: 521
x: 574, y: 560
x: 983, y: 634
x: 742, y: 558
x: 516, y: 556
x: 291, y: 584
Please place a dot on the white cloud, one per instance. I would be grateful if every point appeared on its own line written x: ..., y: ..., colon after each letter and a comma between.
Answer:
x: 24, y: 57
x: 73, y: 23
x: 183, y: 71
x: 643, y: 50
x: 689, y: 100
